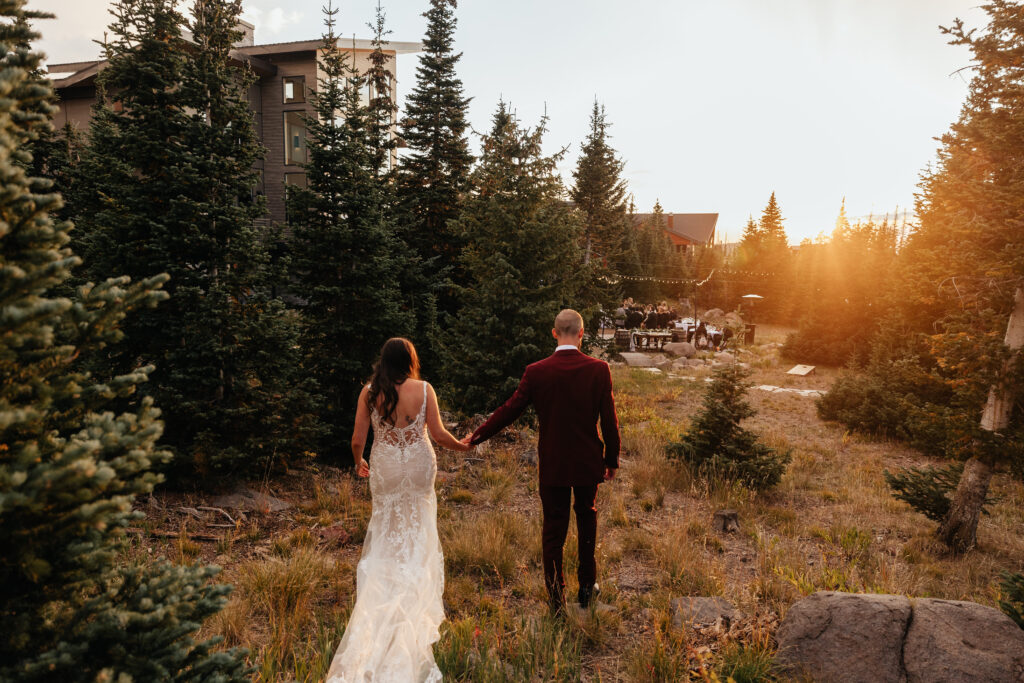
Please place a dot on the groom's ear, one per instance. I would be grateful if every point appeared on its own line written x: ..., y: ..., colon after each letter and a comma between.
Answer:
x: 554, y: 333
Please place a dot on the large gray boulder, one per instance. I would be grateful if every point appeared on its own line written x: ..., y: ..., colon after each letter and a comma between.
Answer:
x: 684, y: 349
x: 949, y: 640
x: 637, y: 360
x: 889, y: 638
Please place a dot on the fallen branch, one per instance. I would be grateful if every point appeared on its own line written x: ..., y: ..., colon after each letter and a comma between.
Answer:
x: 221, y: 511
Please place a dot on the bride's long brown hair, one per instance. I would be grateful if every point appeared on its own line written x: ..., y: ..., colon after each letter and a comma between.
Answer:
x: 398, y: 362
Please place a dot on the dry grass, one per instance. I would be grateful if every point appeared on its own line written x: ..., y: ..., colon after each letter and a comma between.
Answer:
x: 830, y: 524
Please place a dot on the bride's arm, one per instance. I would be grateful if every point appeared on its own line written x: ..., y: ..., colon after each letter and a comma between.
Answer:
x: 359, y: 431
x: 436, y: 428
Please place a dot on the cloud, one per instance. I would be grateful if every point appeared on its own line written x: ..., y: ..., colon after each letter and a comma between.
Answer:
x: 274, y: 21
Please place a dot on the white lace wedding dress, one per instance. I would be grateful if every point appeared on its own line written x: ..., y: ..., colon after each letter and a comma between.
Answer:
x: 400, y: 577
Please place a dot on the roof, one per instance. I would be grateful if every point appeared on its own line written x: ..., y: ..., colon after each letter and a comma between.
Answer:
x: 396, y: 46
x: 80, y: 73
x: 686, y: 228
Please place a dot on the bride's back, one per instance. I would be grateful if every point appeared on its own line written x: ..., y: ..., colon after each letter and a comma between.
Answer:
x: 410, y: 402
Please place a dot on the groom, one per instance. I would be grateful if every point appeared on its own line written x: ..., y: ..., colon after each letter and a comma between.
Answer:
x: 570, y: 391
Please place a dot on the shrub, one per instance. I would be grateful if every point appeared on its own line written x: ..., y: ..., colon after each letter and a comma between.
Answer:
x: 1013, y: 587
x: 928, y: 489
x: 897, y: 398
x: 717, y: 447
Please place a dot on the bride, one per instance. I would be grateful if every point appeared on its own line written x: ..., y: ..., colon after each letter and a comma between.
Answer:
x: 400, y: 577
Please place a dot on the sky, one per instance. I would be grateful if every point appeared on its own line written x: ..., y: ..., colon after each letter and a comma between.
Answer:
x: 714, y: 104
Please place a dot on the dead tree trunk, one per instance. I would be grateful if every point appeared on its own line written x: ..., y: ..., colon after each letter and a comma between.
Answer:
x: 959, y: 529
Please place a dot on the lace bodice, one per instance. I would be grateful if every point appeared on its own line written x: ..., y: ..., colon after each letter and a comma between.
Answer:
x: 400, y: 437
x: 400, y: 577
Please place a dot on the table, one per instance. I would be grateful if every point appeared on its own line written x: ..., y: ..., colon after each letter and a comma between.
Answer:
x: 659, y: 337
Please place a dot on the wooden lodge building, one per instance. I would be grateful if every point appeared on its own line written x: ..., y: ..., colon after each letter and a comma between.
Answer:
x: 286, y: 72
x: 686, y: 230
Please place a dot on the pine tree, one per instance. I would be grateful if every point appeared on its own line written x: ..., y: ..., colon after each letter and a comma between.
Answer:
x: 434, y: 173
x: 523, y: 263
x: 70, y: 467
x: 765, y: 254
x: 773, y: 234
x: 348, y: 261
x: 381, y: 110
x: 599, y: 193
x: 658, y: 260
x: 717, y: 447
x: 167, y: 187
x: 963, y: 264
x: 750, y: 244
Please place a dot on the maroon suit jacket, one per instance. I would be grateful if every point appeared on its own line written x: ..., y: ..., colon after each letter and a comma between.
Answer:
x: 570, y: 391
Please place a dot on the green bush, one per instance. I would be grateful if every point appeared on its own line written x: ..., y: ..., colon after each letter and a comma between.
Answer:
x: 1012, y: 586
x: 822, y: 342
x: 926, y: 489
x: 717, y: 447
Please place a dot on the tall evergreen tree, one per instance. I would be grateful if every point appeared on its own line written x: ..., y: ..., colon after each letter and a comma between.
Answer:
x: 523, y: 263
x: 70, y: 467
x: 348, y: 261
x: 381, y: 110
x: 658, y: 261
x: 599, y: 193
x: 773, y: 233
x: 765, y: 255
x: 167, y: 187
x: 434, y: 173
x: 750, y: 243
x: 964, y: 262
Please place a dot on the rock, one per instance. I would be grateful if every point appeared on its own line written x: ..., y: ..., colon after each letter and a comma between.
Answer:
x: 726, y: 521
x: 703, y: 612
x: 854, y: 637
x: 846, y: 637
x: 248, y: 499
x: 529, y: 455
x: 664, y: 365
x: 684, y: 349
x: 335, y: 535
x: 637, y: 360
x: 695, y: 362
x: 950, y: 640
x: 725, y: 358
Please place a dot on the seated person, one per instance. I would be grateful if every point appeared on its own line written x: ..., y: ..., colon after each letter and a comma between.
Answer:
x: 700, y: 336
x: 727, y: 334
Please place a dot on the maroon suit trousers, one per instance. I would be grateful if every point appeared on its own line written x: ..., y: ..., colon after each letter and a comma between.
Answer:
x: 555, y: 502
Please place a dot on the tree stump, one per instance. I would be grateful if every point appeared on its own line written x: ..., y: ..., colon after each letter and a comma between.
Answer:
x: 726, y: 521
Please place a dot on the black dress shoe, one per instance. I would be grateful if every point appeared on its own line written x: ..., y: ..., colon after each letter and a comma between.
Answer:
x: 557, y: 608
x: 587, y: 594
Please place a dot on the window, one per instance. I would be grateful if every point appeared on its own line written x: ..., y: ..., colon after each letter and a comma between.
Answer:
x: 294, y: 89
x: 294, y: 138
x: 296, y: 179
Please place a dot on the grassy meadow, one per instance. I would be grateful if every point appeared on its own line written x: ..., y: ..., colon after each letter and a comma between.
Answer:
x: 831, y: 524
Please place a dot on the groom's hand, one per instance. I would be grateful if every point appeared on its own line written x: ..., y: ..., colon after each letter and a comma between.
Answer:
x: 467, y: 439
x: 609, y: 473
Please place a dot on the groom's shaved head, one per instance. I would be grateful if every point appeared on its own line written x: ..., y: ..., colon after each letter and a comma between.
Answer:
x: 568, y: 323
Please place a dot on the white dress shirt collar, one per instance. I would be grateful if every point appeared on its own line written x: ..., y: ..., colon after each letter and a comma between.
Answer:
x: 566, y: 347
